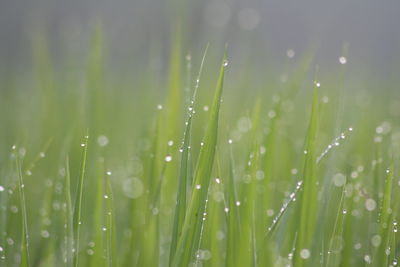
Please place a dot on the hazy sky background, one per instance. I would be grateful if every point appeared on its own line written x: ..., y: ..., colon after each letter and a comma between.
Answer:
x: 134, y: 28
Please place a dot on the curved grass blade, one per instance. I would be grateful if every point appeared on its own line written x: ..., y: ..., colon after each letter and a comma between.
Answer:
x: 193, y: 222
x: 183, y: 172
x: 308, y: 206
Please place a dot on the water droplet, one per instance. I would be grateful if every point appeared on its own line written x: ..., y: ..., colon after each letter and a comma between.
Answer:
x: 370, y: 204
x: 376, y: 240
x: 217, y: 180
x: 82, y: 145
x: 237, y: 203
x: 367, y: 258
x: 159, y: 107
x: 45, y: 234
x: 168, y: 158
x: 220, y: 235
x: 198, y: 186
x: 270, y: 212
x: 271, y: 114
x: 108, y: 173
x: 230, y: 141
x: 317, y: 84
x: 170, y: 143
x: 104, y: 228
x: 305, y: 253
x: 132, y: 187
x: 290, y: 53
x: 102, y: 140
x: 260, y: 175
x: 1, y: 188
x: 226, y: 209
x: 205, y: 108
x: 342, y: 60
x: 339, y: 179
x: 225, y: 63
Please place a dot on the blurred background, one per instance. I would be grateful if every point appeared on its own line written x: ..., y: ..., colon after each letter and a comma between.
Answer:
x: 138, y: 32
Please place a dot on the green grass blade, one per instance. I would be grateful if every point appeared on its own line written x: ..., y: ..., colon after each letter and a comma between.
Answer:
x: 309, y: 196
x: 25, y: 236
x: 189, y: 241
x: 78, y: 202
x: 180, y: 209
x: 69, y: 229
x: 111, y: 243
x: 385, y: 225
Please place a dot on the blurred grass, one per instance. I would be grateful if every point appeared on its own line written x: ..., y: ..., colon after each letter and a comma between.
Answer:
x: 177, y: 174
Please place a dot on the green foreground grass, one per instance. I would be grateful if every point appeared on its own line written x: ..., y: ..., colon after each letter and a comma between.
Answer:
x: 205, y: 168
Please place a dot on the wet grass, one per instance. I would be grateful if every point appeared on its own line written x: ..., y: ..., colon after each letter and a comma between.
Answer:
x: 202, y: 168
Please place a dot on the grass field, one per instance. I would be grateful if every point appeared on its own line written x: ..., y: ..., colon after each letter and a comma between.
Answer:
x: 208, y: 165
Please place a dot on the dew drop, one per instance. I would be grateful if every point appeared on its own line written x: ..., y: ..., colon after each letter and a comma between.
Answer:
x: 225, y: 63
x: 339, y: 179
x: 45, y: 234
x: 342, y: 60
x: 376, y: 240
x: 168, y: 158
x: 290, y: 53
x: 102, y: 140
x: 370, y: 204
x: 305, y: 253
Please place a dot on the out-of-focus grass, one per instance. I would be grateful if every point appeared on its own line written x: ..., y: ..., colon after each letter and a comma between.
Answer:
x: 178, y: 174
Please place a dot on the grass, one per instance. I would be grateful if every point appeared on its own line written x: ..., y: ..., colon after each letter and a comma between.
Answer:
x: 253, y: 173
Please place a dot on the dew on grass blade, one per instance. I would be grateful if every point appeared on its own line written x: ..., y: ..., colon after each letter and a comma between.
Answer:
x: 305, y: 253
x: 168, y: 158
x: 132, y: 187
x: 370, y: 204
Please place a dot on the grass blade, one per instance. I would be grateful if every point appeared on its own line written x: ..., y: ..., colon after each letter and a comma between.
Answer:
x: 183, y: 172
x: 78, y: 202
x: 25, y: 236
x: 308, y: 207
x: 189, y: 240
